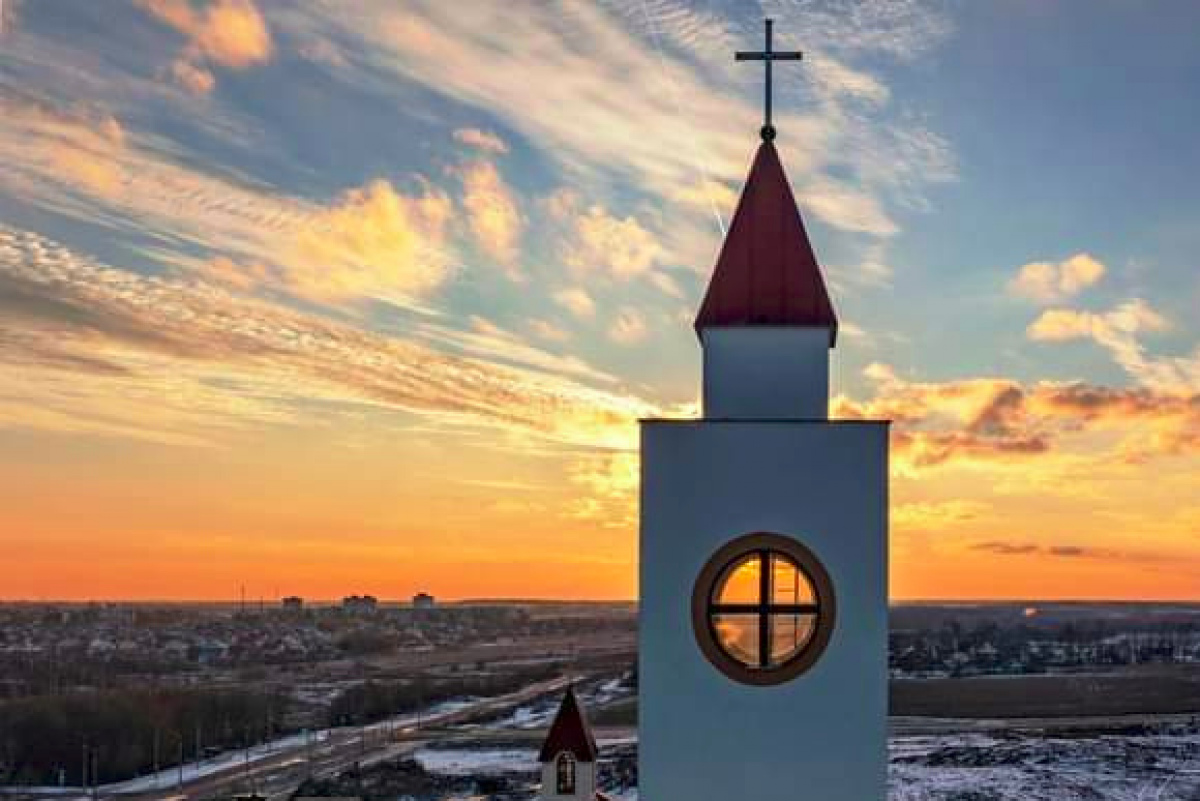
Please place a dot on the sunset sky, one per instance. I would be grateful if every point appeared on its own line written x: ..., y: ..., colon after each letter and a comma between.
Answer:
x: 322, y: 298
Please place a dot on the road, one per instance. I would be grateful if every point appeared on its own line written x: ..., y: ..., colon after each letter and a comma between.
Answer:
x: 274, y: 771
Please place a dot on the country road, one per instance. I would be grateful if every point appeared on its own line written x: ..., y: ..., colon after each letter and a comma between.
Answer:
x: 275, y: 769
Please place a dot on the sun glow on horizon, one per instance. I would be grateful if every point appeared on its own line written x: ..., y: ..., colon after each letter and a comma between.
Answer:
x: 322, y: 303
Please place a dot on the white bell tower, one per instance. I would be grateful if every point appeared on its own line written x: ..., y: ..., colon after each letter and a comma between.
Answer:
x: 763, y: 544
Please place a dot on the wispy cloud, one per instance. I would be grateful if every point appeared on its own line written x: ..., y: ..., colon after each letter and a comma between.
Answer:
x: 937, y: 515
x: 587, y: 113
x: 1006, y: 548
x: 138, y: 332
x: 577, y: 301
x: 628, y: 327
x: 544, y: 329
x: 192, y: 77
x: 371, y: 241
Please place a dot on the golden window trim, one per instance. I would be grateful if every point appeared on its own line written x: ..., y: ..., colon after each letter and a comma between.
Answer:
x: 565, y: 769
x: 824, y: 611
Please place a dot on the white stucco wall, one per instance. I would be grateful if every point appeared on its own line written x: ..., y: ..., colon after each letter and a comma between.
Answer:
x: 585, y: 782
x: 764, y: 372
x: 822, y: 736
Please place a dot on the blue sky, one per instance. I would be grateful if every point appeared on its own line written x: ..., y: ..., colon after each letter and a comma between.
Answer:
x: 462, y: 245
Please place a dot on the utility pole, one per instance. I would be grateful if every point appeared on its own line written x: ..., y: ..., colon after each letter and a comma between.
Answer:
x: 420, y: 698
x: 246, y: 759
x: 155, y: 756
x: 179, y: 784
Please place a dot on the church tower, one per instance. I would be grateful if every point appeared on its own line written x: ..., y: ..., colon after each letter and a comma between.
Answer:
x: 568, y: 756
x: 763, y: 545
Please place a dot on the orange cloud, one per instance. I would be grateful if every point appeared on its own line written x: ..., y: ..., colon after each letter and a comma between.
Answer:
x: 1046, y: 281
x: 611, y: 484
x: 195, y: 79
x: 88, y: 154
x: 1111, y: 328
x: 231, y: 33
x: 492, y: 213
x: 1119, y: 331
x: 619, y: 246
x: 372, y: 241
x: 481, y: 140
x: 999, y: 420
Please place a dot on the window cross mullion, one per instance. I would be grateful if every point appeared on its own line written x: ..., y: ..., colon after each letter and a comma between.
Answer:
x: 764, y: 601
x: 791, y: 609
x: 764, y: 609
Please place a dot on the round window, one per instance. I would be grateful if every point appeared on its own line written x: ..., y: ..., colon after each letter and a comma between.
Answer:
x: 763, y: 609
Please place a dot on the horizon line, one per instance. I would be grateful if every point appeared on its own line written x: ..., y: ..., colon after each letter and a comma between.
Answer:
x: 512, y: 600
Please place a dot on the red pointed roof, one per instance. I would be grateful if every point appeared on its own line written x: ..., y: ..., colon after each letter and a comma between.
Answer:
x: 767, y: 273
x: 569, y: 732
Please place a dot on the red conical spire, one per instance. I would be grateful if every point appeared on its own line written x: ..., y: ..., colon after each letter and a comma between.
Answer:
x: 767, y: 274
x: 569, y: 732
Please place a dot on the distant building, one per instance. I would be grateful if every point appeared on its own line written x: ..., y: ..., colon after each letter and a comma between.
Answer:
x: 568, y: 756
x: 422, y: 600
x: 293, y: 603
x: 360, y: 603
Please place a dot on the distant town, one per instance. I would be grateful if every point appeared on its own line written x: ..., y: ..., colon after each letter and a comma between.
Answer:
x: 48, y: 648
x: 289, y: 696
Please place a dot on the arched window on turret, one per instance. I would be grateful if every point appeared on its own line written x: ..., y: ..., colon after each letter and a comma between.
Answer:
x: 565, y: 771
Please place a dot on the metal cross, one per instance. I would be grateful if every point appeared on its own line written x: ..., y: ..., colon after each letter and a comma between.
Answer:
x: 767, y: 56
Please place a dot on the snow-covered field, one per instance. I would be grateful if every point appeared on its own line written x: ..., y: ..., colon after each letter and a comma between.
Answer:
x: 1162, y: 766
x: 1159, y: 766
x: 538, y: 713
x: 477, y: 763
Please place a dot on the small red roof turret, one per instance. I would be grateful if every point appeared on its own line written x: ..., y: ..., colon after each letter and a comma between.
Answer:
x: 569, y: 732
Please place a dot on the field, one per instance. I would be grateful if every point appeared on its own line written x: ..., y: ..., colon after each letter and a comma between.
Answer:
x: 1150, y: 690
x: 1152, y: 764
x: 1142, y: 691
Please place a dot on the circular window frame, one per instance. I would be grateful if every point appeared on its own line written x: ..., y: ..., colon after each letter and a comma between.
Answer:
x: 702, y: 614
